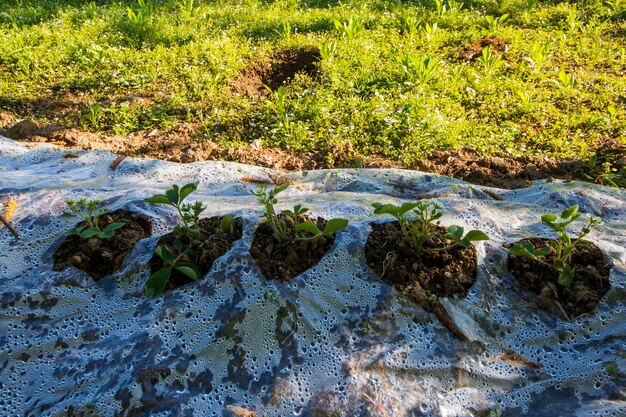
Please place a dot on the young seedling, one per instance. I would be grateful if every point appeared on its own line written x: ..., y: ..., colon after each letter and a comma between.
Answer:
x: 227, y: 224
x: 190, y: 228
x: 189, y: 213
x: 157, y: 281
x: 414, y: 232
x: 423, y: 227
x: 278, y: 225
x: 561, y: 247
x: 331, y: 227
x: 90, y: 212
x: 455, y: 234
x: 298, y: 211
x: 268, y: 199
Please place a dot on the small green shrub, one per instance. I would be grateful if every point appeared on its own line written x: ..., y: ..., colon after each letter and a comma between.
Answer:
x: 89, y: 211
x: 278, y: 225
x: 561, y: 248
x: 423, y: 228
x: 190, y: 229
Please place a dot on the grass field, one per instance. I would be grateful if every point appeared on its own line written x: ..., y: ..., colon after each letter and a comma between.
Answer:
x: 392, y: 79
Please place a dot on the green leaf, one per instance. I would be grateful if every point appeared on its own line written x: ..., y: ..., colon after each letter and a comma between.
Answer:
x: 568, y: 212
x: 188, y: 189
x: 334, y: 225
x: 542, y: 251
x: 566, y: 276
x: 227, y: 224
x: 157, y: 281
x: 476, y: 235
x: 188, y: 269
x: 178, y: 245
x: 406, y: 207
x: 113, y: 226
x: 157, y: 199
x: 165, y: 254
x: 173, y: 195
x: 309, y: 227
x: 522, y: 249
x: 89, y: 232
x: 280, y: 188
x: 390, y: 209
x: 455, y: 233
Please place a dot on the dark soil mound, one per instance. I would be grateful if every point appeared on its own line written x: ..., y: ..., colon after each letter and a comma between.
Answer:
x: 212, y: 243
x: 582, y: 296
x: 286, y: 260
x: 100, y: 257
x: 422, y: 277
x: 281, y: 68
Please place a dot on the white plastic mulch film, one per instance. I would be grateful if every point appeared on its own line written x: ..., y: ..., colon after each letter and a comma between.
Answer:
x: 335, y: 341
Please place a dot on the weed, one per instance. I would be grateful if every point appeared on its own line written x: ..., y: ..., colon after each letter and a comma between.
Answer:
x: 188, y: 9
x: 449, y: 7
x: 539, y: 56
x: 420, y: 70
x: 561, y: 248
x: 327, y: 50
x: 605, y: 172
x: 227, y: 224
x: 492, y: 24
x: 90, y: 212
x: 529, y: 5
x: 572, y: 22
x: 94, y: 116
x: 410, y: 25
x: 527, y: 97
x: 279, y: 100
x: 285, y: 31
x: 430, y: 31
x: 489, y: 60
x: 139, y: 20
x: 351, y: 29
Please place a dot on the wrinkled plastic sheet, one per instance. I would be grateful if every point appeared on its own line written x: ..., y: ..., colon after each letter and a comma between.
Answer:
x: 336, y: 340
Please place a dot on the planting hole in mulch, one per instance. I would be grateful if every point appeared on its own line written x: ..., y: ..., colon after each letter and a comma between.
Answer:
x: 424, y: 278
x: 100, y: 257
x: 590, y: 283
x: 286, y: 260
x: 212, y: 243
x: 281, y: 69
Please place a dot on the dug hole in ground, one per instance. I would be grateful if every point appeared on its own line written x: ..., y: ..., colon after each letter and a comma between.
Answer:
x: 335, y: 340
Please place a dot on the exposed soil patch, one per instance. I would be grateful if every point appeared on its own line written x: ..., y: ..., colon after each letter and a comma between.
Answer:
x: 423, y: 278
x: 100, y: 257
x: 286, y: 260
x: 178, y: 145
x: 474, y: 49
x: 212, y: 243
x: 582, y: 296
x: 281, y: 68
